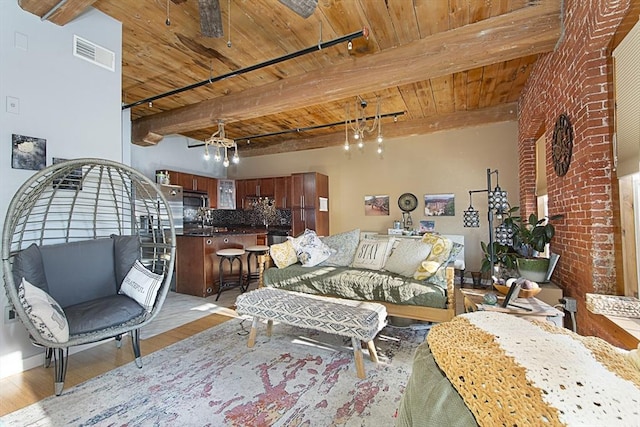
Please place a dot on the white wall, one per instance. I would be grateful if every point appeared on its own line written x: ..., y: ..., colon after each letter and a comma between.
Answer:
x: 73, y: 104
x: 173, y: 153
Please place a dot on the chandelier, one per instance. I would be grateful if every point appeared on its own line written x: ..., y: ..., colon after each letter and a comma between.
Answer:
x: 222, y: 144
x: 358, y: 125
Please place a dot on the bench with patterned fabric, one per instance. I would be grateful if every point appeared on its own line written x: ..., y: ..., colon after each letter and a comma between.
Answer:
x: 360, y: 321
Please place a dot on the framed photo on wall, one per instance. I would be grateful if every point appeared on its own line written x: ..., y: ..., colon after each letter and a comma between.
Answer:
x: 376, y: 205
x: 439, y: 204
x: 28, y: 152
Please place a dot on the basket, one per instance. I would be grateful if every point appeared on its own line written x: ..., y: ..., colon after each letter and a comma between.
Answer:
x: 524, y: 293
x: 610, y: 305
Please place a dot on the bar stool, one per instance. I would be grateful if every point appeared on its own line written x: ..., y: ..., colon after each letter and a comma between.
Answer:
x: 254, y: 251
x: 230, y: 255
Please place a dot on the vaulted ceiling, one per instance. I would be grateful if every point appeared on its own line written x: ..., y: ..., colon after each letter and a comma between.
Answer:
x: 433, y: 64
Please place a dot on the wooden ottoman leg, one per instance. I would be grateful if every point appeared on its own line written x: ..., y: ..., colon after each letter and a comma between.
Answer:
x: 253, y: 333
x: 269, y: 327
x: 373, y: 354
x: 357, y: 353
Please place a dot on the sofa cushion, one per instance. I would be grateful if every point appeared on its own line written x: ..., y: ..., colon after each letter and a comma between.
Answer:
x: 99, y: 314
x: 28, y: 264
x: 310, y: 249
x: 372, y: 254
x: 141, y: 285
x: 80, y: 271
x: 343, y: 248
x: 407, y: 256
x: 433, y: 268
x: 44, y: 312
x: 283, y: 254
x: 126, y: 250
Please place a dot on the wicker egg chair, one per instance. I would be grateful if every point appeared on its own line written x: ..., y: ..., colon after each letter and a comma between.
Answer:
x: 76, y: 205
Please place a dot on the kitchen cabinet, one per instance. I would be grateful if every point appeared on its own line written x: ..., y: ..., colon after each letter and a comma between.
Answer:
x: 281, y: 191
x: 197, y: 265
x: 247, y: 189
x: 310, y: 203
x: 192, y: 182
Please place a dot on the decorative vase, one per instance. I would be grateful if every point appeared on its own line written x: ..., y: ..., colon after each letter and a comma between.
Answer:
x: 534, y: 269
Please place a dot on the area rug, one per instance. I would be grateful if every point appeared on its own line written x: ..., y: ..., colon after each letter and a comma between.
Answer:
x: 298, y: 377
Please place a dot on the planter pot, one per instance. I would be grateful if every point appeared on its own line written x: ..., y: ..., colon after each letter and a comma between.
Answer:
x: 534, y: 269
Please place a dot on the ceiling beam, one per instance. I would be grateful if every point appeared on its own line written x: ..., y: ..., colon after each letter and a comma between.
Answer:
x: 527, y: 31
x: 457, y: 120
x: 62, y: 11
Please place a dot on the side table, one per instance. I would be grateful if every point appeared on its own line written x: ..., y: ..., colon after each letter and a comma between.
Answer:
x: 532, y: 308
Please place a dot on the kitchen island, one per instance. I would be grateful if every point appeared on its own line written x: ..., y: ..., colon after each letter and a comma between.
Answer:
x: 197, y: 265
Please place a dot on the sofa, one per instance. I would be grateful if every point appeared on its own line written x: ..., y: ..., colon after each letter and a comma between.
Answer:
x: 413, y: 278
x: 74, y: 293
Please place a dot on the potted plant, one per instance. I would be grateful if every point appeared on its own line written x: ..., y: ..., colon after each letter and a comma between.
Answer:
x: 530, y: 237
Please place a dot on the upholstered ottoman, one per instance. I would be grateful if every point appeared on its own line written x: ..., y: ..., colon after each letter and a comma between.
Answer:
x: 361, y: 321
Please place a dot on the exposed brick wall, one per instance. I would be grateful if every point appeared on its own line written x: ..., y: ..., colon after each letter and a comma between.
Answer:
x: 576, y: 79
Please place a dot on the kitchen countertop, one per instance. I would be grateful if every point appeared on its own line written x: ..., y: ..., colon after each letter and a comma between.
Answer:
x: 226, y: 231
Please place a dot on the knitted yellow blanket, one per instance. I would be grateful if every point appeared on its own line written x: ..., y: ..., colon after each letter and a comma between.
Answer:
x: 511, y: 371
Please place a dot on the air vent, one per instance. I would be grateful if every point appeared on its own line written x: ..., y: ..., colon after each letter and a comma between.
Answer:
x: 93, y: 53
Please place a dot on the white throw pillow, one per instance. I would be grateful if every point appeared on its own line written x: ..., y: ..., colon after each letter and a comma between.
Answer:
x: 283, y: 254
x: 343, y: 247
x: 372, y: 254
x: 44, y: 312
x: 141, y: 285
x: 310, y: 249
x: 407, y: 257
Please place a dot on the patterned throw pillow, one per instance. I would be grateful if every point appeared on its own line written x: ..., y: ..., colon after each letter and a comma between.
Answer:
x: 283, y: 254
x: 343, y: 248
x: 310, y: 249
x: 141, y: 285
x: 435, y: 264
x: 44, y: 312
x: 407, y: 257
x: 372, y: 254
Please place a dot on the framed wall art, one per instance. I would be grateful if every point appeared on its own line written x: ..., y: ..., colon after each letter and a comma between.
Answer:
x: 28, y: 152
x: 376, y: 205
x: 439, y: 205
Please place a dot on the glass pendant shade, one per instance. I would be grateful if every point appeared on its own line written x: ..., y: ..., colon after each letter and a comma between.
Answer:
x: 504, y: 235
x: 471, y: 218
x: 498, y: 200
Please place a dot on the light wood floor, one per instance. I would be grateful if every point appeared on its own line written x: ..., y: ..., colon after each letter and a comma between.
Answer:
x: 20, y: 390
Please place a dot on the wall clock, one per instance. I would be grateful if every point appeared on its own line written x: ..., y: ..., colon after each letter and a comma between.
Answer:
x: 407, y: 202
x: 562, y: 144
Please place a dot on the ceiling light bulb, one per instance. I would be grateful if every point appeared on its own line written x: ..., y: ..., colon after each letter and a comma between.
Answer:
x: 206, y: 155
x: 356, y: 135
x: 235, y: 159
x: 225, y: 162
x: 379, y: 149
x: 349, y: 45
x: 379, y: 138
x: 346, y: 146
x: 360, y: 144
x: 217, y: 156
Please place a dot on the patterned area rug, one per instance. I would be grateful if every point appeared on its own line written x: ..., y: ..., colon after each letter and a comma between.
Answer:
x: 298, y: 377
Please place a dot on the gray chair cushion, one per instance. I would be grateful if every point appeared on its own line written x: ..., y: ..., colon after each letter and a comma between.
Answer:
x: 103, y: 313
x: 126, y: 251
x: 28, y: 264
x: 80, y: 271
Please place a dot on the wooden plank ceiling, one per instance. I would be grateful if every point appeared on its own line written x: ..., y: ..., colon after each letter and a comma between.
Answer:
x: 441, y: 63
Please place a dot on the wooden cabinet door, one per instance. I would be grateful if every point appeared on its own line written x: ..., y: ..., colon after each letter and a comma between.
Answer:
x: 241, y: 193
x: 266, y: 187
x: 212, y: 191
x: 297, y: 190
x: 281, y: 191
x: 186, y: 180
x: 252, y: 187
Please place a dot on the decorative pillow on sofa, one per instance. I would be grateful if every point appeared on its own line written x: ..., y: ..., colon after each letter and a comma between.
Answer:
x: 372, y: 254
x: 141, y: 285
x: 435, y: 264
x: 27, y: 264
x: 310, y: 249
x: 343, y: 248
x: 283, y: 254
x: 45, y: 313
x: 407, y: 257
